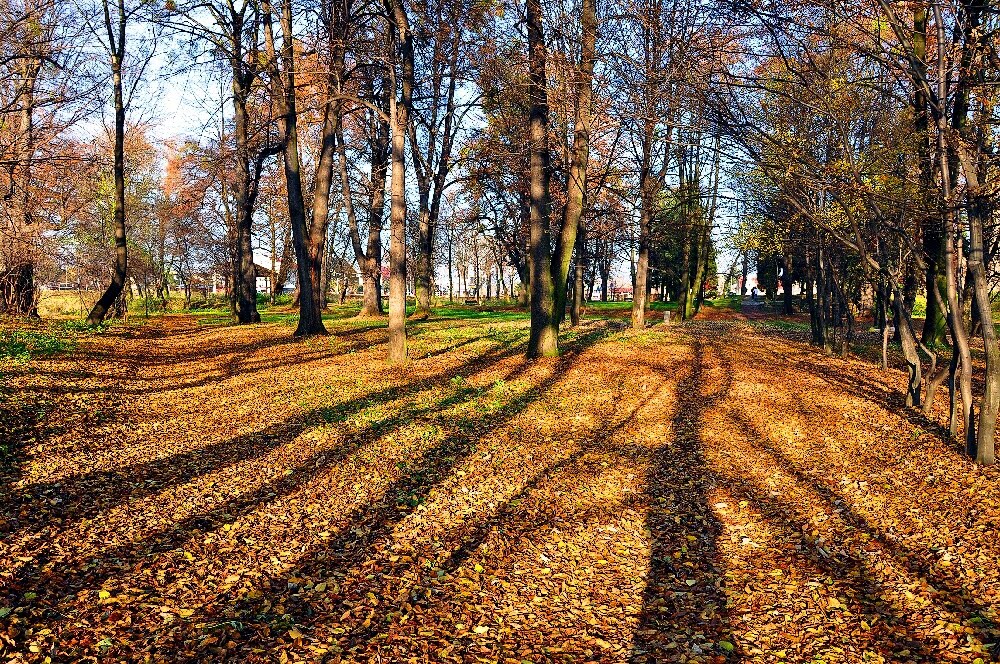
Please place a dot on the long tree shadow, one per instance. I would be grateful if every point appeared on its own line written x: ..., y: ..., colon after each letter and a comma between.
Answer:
x: 894, y: 625
x: 223, y: 365
x: 507, y: 517
x: 22, y: 425
x: 892, y: 402
x: 849, y: 565
x: 56, y: 576
x: 366, y: 531
x: 684, y: 604
x: 87, y: 495
x: 111, y: 560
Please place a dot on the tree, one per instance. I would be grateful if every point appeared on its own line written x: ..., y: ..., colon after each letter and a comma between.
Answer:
x: 43, y: 93
x: 550, y: 265
x: 399, y: 121
x: 308, y: 232
x: 116, y: 22
x: 233, y: 32
x: 434, y: 125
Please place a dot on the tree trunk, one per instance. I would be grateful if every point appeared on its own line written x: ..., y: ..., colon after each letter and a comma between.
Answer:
x: 909, y: 343
x: 576, y: 194
x: 17, y: 291
x: 397, y: 239
x: 451, y: 278
x: 430, y: 201
x: 119, y: 269
x: 399, y: 117
x: 243, y: 286
x: 985, y: 445
x: 425, y: 252
x: 641, y: 265
x: 307, y: 240
x: 935, y: 323
x: 543, y: 339
x: 578, y: 285
x: 369, y: 261
x: 744, y: 272
x: 685, y: 304
x: 959, y: 371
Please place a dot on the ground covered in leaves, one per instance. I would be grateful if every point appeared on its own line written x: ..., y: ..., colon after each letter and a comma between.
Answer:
x: 188, y: 490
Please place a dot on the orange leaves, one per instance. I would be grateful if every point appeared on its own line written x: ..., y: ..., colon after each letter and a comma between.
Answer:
x: 253, y: 499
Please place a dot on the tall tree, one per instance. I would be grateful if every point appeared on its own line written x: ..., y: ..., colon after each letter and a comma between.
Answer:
x: 544, y: 336
x: 550, y: 265
x: 399, y: 113
x: 116, y: 21
x: 233, y: 29
x: 309, y: 227
x: 434, y: 125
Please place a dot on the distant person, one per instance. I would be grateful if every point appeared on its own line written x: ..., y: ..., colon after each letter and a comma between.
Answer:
x: 753, y: 294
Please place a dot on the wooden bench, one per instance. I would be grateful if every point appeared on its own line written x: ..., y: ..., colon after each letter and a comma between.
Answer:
x: 471, y: 302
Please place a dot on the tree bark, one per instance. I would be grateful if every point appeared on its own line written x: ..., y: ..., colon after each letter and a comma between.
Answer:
x: 935, y: 323
x: 308, y: 239
x: 399, y: 114
x: 576, y: 194
x: 576, y: 312
x: 431, y: 179
x: 543, y: 339
x: 116, y: 43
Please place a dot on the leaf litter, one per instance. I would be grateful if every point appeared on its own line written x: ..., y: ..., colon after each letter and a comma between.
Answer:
x: 701, y: 493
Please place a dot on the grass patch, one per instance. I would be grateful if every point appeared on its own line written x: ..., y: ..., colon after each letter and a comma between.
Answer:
x: 785, y: 325
x: 486, y: 312
x: 24, y: 345
x: 734, y: 302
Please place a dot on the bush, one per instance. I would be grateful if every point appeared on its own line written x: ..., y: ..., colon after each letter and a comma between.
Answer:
x: 213, y: 301
x: 264, y: 300
x: 148, y: 304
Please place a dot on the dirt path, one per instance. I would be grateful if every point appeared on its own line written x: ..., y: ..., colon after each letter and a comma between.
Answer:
x: 698, y: 493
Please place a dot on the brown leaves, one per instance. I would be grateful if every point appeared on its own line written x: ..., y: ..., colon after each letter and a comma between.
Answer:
x: 253, y: 499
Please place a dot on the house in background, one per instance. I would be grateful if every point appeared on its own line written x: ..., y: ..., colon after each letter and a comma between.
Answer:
x: 265, y: 278
x: 620, y: 292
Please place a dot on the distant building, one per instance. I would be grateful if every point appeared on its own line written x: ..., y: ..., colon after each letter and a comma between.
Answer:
x: 620, y: 292
x: 265, y: 279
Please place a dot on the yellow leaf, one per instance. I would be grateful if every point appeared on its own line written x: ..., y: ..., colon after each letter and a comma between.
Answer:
x: 480, y: 629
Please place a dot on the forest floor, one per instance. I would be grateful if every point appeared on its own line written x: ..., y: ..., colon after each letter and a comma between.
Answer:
x: 718, y: 491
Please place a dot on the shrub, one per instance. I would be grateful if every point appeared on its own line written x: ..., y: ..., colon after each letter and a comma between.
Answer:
x: 212, y: 301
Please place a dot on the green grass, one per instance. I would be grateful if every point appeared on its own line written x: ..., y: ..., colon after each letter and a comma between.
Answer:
x: 610, y: 307
x: 734, y: 302
x: 496, y: 310
x: 24, y: 345
x: 486, y: 312
x: 786, y: 325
